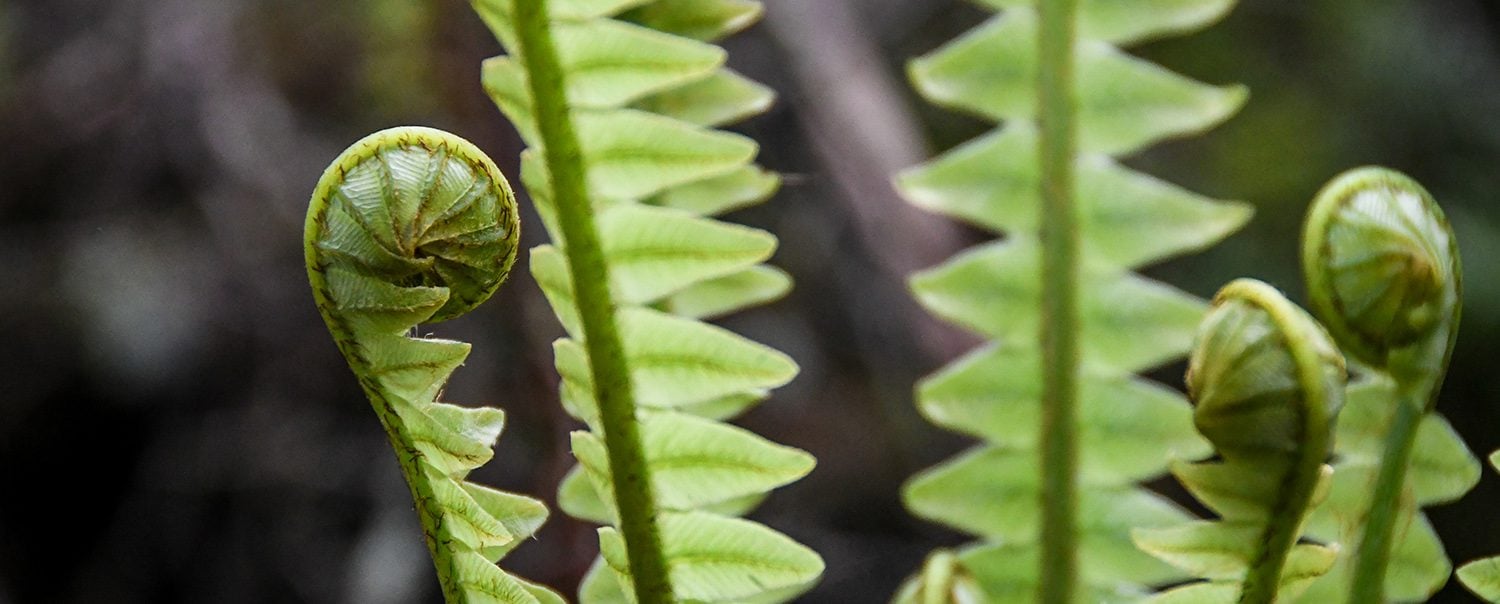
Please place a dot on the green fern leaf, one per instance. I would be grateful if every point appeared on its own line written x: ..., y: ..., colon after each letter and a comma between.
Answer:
x: 643, y: 88
x: 408, y: 226
x: 700, y: 462
x: 722, y: 98
x: 1124, y: 103
x: 1483, y: 576
x: 1121, y: 323
x: 712, y: 558
x: 706, y: 20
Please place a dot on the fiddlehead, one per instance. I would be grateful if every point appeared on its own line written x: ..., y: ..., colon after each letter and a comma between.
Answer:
x: 1382, y: 269
x: 1068, y: 427
x: 618, y: 99
x: 410, y: 226
x: 1267, y: 382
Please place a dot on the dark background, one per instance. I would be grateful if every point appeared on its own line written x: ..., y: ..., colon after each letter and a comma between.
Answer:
x: 176, y: 426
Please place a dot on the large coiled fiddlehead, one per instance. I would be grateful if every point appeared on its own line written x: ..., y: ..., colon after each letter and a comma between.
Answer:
x: 409, y: 226
x: 1382, y: 270
x: 1267, y: 382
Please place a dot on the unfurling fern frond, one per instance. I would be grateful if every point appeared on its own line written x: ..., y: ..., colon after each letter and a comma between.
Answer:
x: 410, y: 226
x: 1268, y: 383
x: 618, y: 100
x: 1382, y: 270
x: 1068, y: 428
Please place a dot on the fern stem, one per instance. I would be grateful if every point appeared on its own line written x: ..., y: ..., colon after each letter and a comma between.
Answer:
x: 1294, y: 498
x: 422, y: 497
x: 590, y: 277
x: 1263, y: 580
x: 1373, y: 554
x: 1059, y: 332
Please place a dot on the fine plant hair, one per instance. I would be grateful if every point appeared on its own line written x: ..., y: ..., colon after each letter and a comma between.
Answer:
x: 410, y: 226
x: 1267, y: 383
x: 1068, y: 428
x: 1383, y: 274
x: 618, y: 100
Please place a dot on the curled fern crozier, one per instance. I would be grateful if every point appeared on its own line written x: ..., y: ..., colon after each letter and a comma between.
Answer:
x: 1267, y: 382
x: 408, y: 226
x: 1383, y: 273
x: 1382, y: 267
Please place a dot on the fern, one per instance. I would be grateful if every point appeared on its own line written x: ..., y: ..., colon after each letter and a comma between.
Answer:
x: 1267, y: 382
x: 408, y: 226
x: 617, y: 99
x: 1068, y: 427
x: 1482, y: 576
x: 1382, y: 268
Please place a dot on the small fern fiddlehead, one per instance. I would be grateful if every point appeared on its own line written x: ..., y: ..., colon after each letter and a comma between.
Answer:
x: 618, y: 100
x: 1068, y: 427
x: 409, y: 226
x: 1268, y: 383
x: 1382, y: 270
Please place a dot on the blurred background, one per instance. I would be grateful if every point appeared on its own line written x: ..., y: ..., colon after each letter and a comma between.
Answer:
x: 176, y: 425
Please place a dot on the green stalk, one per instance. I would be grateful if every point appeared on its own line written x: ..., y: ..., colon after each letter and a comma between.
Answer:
x: 612, y: 388
x: 1374, y: 551
x: 1284, y: 524
x: 423, y: 497
x: 1059, y: 333
x: 1263, y: 581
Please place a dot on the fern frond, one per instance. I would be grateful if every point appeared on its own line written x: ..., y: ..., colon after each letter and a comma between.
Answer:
x: 410, y: 226
x: 1267, y: 382
x: 1125, y: 427
x: 644, y: 89
x: 1383, y: 273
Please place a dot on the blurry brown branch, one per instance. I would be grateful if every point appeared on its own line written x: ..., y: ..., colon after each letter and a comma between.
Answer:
x: 861, y: 125
x: 863, y: 131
